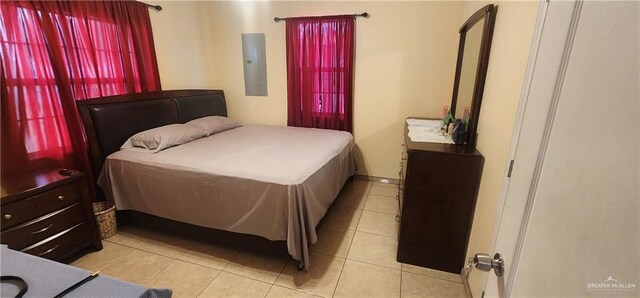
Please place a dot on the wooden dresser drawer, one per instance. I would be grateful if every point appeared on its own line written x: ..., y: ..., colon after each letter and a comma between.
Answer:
x: 47, y: 212
x: 17, y: 212
x: 60, y: 243
x: 40, y: 228
x: 57, y: 198
x: 437, y: 201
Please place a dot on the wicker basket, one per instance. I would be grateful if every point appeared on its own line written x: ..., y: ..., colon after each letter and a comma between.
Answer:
x: 105, y: 213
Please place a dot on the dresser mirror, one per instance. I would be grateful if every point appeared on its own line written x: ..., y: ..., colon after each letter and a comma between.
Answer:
x: 471, y: 69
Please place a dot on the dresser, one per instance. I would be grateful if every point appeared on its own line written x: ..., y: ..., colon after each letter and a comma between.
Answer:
x: 437, y: 196
x: 48, y: 214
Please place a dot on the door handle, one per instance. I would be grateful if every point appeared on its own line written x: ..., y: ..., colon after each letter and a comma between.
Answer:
x: 484, y: 262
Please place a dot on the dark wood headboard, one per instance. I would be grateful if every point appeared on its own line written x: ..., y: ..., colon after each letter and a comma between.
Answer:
x: 110, y: 121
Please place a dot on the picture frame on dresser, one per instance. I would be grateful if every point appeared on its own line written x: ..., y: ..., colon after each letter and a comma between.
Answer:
x: 48, y: 213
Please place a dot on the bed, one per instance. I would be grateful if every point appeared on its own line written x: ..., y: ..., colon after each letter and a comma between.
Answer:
x: 270, y: 181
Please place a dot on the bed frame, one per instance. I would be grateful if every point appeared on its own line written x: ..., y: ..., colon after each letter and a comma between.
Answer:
x: 110, y: 121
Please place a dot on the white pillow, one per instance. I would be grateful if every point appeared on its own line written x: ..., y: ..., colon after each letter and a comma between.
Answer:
x: 214, y: 124
x: 160, y: 138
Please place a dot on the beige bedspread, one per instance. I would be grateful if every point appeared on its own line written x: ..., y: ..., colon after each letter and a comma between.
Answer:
x: 271, y: 181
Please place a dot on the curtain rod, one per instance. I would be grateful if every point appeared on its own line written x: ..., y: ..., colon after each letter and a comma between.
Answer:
x: 364, y: 15
x: 156, y: 7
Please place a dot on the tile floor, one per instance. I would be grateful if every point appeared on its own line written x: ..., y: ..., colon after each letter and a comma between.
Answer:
x: 355, y: 256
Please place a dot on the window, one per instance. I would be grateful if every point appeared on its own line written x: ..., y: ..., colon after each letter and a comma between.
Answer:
x: 320, y: 71
x: 56, y: 52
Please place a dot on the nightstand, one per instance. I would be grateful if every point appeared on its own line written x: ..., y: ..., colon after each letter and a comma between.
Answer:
x: 48, y: 214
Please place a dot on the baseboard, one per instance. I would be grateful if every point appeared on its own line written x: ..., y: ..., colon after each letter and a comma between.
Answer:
x: 377, y: 179
x: 465, y: 283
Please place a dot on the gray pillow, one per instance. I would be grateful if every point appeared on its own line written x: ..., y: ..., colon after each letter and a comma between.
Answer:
x: 214, y: 124
x: 160, y: 138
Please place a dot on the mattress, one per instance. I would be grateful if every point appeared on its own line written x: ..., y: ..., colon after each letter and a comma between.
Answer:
x: 272, y: 181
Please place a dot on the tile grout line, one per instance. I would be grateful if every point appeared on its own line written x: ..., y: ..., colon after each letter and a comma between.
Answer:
x: 380, y: 212
x: 432, y: 277
x: 278, y: 276
x: 401, y: 275
x: 361, y: 211
x: 350, y: 245
x: 205, y: 287
x: 354, y: 236
x: 160, y: 254
x: 163, y: 270
x: 143, y: 242
x: 386, y: 236
x: 251, y: 278
x: 361, y: 262
x: 196, y: 264
x: 121, y: 257
x: 231, y: 261
x: 395, y: 222
x: 267, y: 294
x: 335, y: 288
x: 214, y: 278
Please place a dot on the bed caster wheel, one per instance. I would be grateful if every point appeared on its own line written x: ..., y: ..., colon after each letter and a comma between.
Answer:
x: 300, y: 266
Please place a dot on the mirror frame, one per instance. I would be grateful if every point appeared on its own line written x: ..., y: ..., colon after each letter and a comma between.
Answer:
x: 486, y: 14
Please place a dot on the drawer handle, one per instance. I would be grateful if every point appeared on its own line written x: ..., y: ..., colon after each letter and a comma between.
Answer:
x: 397, y: 218
x: 42, y: 230
x: 60, y: 198
x: 48, y: 251
x: 7, y: 216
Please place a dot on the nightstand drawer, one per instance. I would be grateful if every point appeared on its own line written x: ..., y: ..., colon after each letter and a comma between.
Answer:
x: 47, y: 212
x: 17, y: 213
x: 40, y: 228
x: 60, y: 243
x: 57, y: 198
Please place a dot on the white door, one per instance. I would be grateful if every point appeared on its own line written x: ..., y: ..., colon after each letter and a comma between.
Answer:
x: 569, y: 222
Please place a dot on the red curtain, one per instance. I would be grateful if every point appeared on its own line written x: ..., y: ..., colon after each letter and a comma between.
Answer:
x: 56, y: 52
x: 320, y: 72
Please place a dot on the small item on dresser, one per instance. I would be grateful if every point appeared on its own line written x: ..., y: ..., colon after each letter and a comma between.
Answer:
x: 448, y: 118
x: 459, y: 134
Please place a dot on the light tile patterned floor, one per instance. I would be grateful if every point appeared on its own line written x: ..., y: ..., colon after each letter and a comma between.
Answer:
x: 355, y: 257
